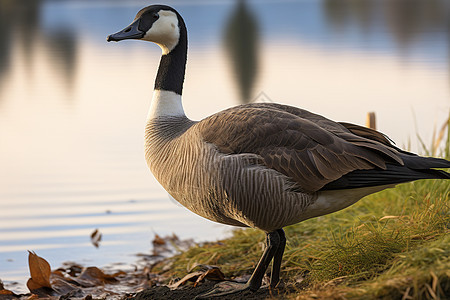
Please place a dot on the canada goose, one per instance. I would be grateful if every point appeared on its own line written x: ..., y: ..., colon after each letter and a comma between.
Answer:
x: 264, y: 166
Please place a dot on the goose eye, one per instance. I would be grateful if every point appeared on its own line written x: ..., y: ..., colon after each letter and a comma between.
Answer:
x: 155, y: 16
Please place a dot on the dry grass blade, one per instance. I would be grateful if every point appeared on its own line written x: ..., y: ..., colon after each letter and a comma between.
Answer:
x: 440, y: 137
x: 389, y: 217
x: 430, y: 290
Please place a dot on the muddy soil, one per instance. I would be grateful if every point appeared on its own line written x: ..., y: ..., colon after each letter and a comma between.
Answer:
x: 189, y: 292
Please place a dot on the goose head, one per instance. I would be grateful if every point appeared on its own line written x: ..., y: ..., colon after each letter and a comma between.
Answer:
x: 159, y: 24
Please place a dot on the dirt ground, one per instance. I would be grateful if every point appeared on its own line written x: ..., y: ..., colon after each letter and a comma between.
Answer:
x: 190, y: 292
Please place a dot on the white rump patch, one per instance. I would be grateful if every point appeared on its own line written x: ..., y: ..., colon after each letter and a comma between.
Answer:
x: 165, y: 31
x: 165, y: 104
x: 330, y: 201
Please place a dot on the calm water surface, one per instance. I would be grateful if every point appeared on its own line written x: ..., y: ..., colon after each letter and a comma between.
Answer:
x: 73, y: 107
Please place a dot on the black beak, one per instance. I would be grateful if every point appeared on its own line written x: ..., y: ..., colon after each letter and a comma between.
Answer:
x: 130, y: 32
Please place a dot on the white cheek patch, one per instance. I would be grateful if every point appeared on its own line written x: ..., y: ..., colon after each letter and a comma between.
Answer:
x: 165, y: 31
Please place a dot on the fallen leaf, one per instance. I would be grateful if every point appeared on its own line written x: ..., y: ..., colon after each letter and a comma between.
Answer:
x: 44, y: 292
x: 65, y: 288
x: 39, y: 271
x: 72, y: 269
x: 212, y: 274
x: 208, y: 272
x: 119, y: 273
x: 93, y: 276
x: 189, y: 277
x: 32, y: 285
x: 7, y: 292
x: 4, y: 292
x: 96, y: 238
x: 158, y: 240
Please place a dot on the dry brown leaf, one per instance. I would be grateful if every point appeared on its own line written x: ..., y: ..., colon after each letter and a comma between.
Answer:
x: 43, y: 291
x: 6, y: 292
x: 93, y: 276
x: 158, y: 240
x: 189, y: 277
x: 72, y: 269
x: 39, y: 271
x: 118, y: 274
x: 212, y: 274
x: 96, y: 238
x: 64, y: 287
x: 32, y: 286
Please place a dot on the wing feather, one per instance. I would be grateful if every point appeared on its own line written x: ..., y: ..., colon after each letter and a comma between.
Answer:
x: 312, y: 150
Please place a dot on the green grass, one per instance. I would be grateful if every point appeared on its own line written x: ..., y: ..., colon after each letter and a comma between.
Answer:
x: 387, y: 244
x: 390, y: 245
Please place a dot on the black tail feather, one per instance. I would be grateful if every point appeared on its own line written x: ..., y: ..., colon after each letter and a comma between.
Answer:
x: 422, y: 163
x: 415, y: 168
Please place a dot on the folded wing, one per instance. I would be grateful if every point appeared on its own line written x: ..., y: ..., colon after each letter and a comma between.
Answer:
x: 312, y: 150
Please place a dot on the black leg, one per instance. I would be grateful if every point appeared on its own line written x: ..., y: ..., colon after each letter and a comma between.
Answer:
x: 273, y: 240
x: 272, y: 245
x: 277, y: 258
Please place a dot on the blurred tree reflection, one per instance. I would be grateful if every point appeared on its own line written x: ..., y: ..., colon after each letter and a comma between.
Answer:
x: 242, y: 46
x: 341, y: 12
x: 406, y: 20
x: 62, y: 43
x: 18, y: 20
x: 5, y: 37
x: 20, y: 29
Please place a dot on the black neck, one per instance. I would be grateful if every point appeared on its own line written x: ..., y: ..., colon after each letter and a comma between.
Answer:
x: 172, y: 66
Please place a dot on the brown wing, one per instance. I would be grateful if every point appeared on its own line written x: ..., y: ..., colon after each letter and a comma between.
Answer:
x: 308, y: 148
x: 368, y: 133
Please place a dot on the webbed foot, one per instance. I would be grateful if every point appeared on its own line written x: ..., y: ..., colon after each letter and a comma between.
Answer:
x: 224, y: 288
x: 275, y: 243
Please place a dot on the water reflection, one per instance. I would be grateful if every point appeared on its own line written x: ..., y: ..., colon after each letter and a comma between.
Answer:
x: 241, y: 40
x: 62, y: 43
x: 18, y: 20
x: 21, y: 32
x: 409, y: 20
x: 63, y: 167
x: 406, y: 20
x: 340, y: 12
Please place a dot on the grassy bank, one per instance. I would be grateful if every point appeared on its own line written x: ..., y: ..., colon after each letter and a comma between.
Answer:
x: 390, y: 245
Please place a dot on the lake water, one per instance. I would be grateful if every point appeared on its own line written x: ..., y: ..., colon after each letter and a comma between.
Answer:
x: 73, y: 107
